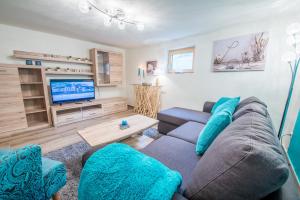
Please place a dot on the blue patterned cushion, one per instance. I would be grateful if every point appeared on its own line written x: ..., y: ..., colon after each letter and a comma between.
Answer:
x: 54, y: 176
x: 21, y: 174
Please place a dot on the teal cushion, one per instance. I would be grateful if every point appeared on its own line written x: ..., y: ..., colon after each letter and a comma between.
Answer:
x: 214, y: 126
x: 219, y: 102
x: 229, y: 105
x: 21, y: 174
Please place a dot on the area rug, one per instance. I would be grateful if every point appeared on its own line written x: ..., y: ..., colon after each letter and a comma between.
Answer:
x: 71, y: 157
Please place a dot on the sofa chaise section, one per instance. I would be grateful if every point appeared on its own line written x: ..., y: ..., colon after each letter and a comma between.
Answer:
x: 172, y: 118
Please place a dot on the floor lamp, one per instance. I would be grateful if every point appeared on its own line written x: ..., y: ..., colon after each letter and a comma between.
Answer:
x: 293, y: 59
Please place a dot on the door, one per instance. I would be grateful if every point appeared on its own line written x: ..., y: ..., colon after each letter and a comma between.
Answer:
x: 116, y: 68
x: 12, y: 112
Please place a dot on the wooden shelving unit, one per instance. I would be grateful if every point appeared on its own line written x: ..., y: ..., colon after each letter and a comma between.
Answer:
x: 35, y: 96
x: 74, y: 112
x: 50, y: 57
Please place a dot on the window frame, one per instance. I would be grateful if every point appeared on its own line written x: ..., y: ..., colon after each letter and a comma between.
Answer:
x: 179, y: 51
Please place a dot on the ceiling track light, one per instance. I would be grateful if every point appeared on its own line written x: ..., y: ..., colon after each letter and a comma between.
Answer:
x: 117, y: 15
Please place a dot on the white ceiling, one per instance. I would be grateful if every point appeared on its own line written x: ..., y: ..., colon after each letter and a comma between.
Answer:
x: 164, y: 19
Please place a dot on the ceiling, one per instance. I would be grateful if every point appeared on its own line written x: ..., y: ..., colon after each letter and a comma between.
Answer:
x: 164, y: 19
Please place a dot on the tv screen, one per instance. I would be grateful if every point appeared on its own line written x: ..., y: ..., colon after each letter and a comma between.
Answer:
x: 71, y: 90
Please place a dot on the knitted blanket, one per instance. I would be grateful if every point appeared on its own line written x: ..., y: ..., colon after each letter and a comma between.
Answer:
x: 120, y: 172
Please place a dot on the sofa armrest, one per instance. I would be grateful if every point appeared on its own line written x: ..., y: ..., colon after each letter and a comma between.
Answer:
x: 88, y: 154
x: 208, y: 105
x: 178, y: 196
x: 54, y: 176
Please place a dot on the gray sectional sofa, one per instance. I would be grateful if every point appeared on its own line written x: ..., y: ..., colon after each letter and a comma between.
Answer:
x: 246, y: 160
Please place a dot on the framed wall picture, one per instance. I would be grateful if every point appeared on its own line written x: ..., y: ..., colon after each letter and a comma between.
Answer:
x: 151, y: 66
x: 243, y: 53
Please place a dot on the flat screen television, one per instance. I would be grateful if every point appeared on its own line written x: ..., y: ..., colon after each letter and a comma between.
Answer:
x: 68, y: 90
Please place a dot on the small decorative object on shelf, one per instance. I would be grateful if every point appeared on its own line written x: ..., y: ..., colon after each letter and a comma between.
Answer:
x: 146, y: 84
x: 124, y: 125
x: 50, y: 57
x: 38, y: 62
x: 28, y: 62
x: 141, y: 74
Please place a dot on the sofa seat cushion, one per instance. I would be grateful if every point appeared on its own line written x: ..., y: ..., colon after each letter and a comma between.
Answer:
x: 176, y: 154
x: 179, y: 116
x: 54, y: 176
x: 188, y: 132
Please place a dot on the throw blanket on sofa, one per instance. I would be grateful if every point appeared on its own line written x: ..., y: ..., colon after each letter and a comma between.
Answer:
x: 120, y: 172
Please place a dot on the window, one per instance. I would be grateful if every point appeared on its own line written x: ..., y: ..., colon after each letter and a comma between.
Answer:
x: 181, y: 60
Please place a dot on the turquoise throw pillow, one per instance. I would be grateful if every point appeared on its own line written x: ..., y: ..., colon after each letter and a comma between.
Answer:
x: 219, y: 102
x: 216, y: 124
x: 229, y: 105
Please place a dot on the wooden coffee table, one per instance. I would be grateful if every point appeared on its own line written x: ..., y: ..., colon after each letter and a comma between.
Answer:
x: 109, y: 132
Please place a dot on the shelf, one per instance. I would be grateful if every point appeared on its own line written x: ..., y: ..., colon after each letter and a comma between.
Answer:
x: 31, y: 83
x: 35, y: 111
x: 38, y: 124
x: 107, y: 85
x: 33, y: 97
x: 50, y: 57
x: 69, y: 73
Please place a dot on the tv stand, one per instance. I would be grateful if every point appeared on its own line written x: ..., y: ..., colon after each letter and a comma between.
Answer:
x: 75, y: 112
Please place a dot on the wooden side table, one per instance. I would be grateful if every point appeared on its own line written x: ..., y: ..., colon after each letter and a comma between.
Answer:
x: 147, y: 100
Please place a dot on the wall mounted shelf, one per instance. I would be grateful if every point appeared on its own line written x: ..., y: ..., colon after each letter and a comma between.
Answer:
x: 51, y: 57
x: 33, y: 97
x: 35, y: 111
x: 69, y: 73
x: 31, y: 83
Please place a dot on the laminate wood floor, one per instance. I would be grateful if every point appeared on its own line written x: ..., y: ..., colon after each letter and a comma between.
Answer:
x: 54, y: 138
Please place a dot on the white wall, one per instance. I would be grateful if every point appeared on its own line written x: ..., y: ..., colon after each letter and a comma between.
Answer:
x: 192, y: 90
x: 14, y: 38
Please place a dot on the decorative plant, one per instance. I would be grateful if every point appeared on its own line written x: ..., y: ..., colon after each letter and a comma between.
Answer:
x: 258, y: 47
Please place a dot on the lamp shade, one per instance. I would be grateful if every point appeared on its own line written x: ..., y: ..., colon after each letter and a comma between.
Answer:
x: 293, y: 28
x: 107, y: 21
x: 292, y: 40
x: 140, y: 26
x: 289, y: 56
x: 83, y: 6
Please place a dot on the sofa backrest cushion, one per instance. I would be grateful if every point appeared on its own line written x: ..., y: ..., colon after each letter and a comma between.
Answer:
x: 251, y: 107
x: 248, y: 101
x: 246, y: 161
